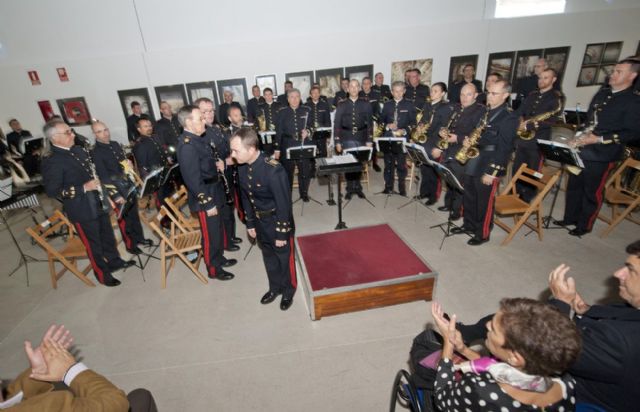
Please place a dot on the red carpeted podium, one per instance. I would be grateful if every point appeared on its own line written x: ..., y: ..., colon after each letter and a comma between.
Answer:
x: 361, y: 268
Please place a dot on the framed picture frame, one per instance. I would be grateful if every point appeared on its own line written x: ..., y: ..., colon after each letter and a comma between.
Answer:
x: 202, y: 89
x: 425, y: 66
x: 502, y: 63
x: 598, y: 62
x: 329, y: 81
x: 46, y: 109
x: 604, y: 71
x: 74, y: 111
x: 139, y: 95
x: 174, y: 95
x: 457, y: 64
x: 611, y: 52
x: 359, y: 72
x: 238, y: 87
x: 267, y: 80
x: 301, y: 81
x: 525, y: 63
x: 587, y: 76
x: 593, y: 54
x: 557, y: 58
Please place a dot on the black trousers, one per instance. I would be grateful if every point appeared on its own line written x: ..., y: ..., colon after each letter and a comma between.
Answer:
x: 397, y: 162
x: 141, y: 400
x: 353, y: 179
x: 212, y: 241
x: 429, y: 183
x: 533, y: 158
x: 585, y: 193
x: 97, y: 237
x: 453, y: 198
x: 321, y: 144
x: 304, y: 174
x: 129, y: 224
x: 279, y: 262
x: 479, y: 201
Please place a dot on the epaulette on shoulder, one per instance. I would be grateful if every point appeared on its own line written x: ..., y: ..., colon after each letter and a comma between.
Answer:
x: 272, y: 162
x: 282, y: 108
x: 186, y: 140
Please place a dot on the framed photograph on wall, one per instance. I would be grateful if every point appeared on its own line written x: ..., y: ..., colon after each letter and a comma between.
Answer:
x: 267, y: 80
x: 456, y: 65
x: 46, y: 109
x: 329, y: 81
x: 557, y: 58
x: 174, y: 95
x: 425, y: 66
x: 587, y: 76
x: 237, y: 87
x: 593, y: 54
x: 604, y: 72
x: 301, y: 81
x: 611, y: 52
x: 74, y: 111
x: 359, y: 72
x: 202, y: 89
x: 598, y: 57
x: 138, y: 95
x: 525, y: 63
x: 501, y: 63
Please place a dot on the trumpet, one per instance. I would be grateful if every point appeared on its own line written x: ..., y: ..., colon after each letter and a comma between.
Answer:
x: 530, y: 134
x: 471, y: 151
x: 443, y: 143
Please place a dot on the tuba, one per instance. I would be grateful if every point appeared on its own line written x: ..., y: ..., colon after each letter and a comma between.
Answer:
x: 530, y: 134
x: 471, y: 151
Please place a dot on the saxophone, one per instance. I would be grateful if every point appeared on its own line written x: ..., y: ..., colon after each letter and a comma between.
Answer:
x: 262, y: 122
x: 443, y: 143
x: 530, y: 134
x: 471, y: 151
x: 419, y: 133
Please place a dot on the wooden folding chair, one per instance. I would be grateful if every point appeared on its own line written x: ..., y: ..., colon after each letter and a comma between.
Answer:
x: 509, y: 203
x: 175, y: 203
x: 620, y: 193
x: 179, y: 242
x: 67, y: 255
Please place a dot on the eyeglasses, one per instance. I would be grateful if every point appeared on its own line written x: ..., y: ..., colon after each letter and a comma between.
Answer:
x: 67, y: 132
x: 102, y: 131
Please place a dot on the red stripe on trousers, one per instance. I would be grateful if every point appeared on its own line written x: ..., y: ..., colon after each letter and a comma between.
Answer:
x: 438, y: 187
x: 599, y: 194
x: 205, y: 240
x: 292, y: 264
x: 540, y: 163
x: 236, y: 201
x: 85, y: 242
x: 489, y: 215
x: 123, y: 230
x: 224, y: 236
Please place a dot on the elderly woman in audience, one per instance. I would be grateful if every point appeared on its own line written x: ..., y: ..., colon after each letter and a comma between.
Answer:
x: 531, y: 345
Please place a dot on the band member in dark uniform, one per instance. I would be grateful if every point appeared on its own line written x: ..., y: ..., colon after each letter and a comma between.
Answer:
x: 491, y: 79
x: 353, y: 127
x: 614, y: 117
x: 468, y: 76
x: 168, y: 127
x: 343, y: 93
x: 319, y: 116
x: 267, y: 110
x: 292, y: 129
x: 436, y: 113
x: 231, y: 180
x: 380, y: 87
x: 538, y: 112
x: 496, y: 131
x: 267, y: 199
x: 253, y: 103
x: 283, y: 98
x: 415, y: 91
x: 206, y: 195
x: 223, y: 110
x: 132, y: 120
x: 464, y: 118
x: 220, y: 149
x: 373, y: 96
x: 108, y: 157
x: 150, y: 155
x: 69, y: 176
x: 398, y: 116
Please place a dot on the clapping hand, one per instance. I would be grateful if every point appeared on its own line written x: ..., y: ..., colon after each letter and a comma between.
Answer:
x: 58, y: 361
x: 447, y: 328
x: 564, y: 288
x: 55, y: 333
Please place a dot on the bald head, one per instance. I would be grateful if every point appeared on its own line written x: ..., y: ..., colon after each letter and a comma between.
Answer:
x: 100, y: 131
x: 468, y: 94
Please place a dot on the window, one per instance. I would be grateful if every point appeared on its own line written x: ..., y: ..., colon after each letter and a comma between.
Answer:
x: 521, y: 8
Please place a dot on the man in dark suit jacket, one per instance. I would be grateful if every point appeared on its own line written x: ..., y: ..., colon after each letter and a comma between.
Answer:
x: 253, y: 103
x: 469, y: 76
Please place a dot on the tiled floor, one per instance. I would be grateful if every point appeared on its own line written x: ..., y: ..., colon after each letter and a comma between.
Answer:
x: 215, y: 347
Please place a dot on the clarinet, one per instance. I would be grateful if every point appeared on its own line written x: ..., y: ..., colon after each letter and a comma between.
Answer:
x: 225, y: 183
x: 104, y: 205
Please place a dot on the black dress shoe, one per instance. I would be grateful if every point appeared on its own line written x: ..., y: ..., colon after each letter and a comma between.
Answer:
x: 376, y: 167
x: 222, y: 275
x: 112, y: 282
x: 305, y: 198
x: 135, y: 250
x: 232, y: 247
x: 123, y: 265
x: 360, y: 194
x: 455, y: 216
x: 146, y: 242
x: 286, y: 303
x: 348, y: 196
x: 431, y: 202
x: 475, y: 241
x: 269, y: 297
x: 387, y: 191
x: 578, y: 232
x: 236, y: 240
x: 229, y: 262
x: 562, y: 222
x: 457, y: 231
x: 444, y: 208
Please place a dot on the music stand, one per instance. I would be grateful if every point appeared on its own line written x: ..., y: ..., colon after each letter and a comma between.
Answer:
x: 393, y: 145
x: 569, y: 159
x: 150, y: 185
x: 266, y: 141
x: 452, y: 181
x: 300, y: 153
x: 363, y: 155
x: 419, y: 157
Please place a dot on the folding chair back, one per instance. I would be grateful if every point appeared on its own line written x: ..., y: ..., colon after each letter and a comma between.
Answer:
x: 176, y: 202
x: 68, y: 254
x: 178, y: 242
x: 509, y: 202
x: 622, y: 192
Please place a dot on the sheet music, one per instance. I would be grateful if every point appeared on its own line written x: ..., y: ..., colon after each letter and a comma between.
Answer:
x: 340, y: 159
x: 575, y: 154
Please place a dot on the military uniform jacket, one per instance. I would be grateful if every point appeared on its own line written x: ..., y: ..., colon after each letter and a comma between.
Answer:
x: 374, y: 98
x: 107, y: 158
x: 132, y: 131
x: 353, y: 121
x: 252, y: 108
x: 223, y: 112
x: 198, y: 169
x: 220, y: 140
x: 462, y: 122
x: 417, y: 95
x: 438, y: 113
x: 618, y: 116
x: 64, y: 173
x: 495, y: 144
x: 149, y: 154
x: 269, y: 111
x: 406, y: 115
x: 14, y: 138
x: 319, y: 114
x: 535, y: 104
x: 265, y: 190
x: 289, y: 125
x: 169, y: 131
x: 340, y: 97
x: 454, y: 90
x: 282, y: 99
x: 384, y: 91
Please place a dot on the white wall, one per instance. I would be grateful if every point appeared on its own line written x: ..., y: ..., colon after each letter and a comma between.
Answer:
x: 104, y: 49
